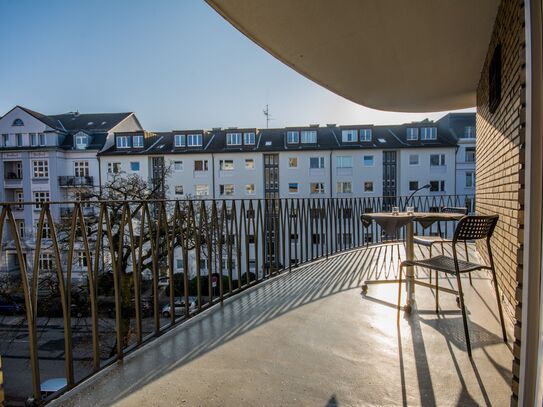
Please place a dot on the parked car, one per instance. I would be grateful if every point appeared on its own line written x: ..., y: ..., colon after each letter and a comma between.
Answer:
x: 179, y: 305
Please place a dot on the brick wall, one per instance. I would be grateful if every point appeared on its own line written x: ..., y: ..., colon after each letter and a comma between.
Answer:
x: 500, y: 161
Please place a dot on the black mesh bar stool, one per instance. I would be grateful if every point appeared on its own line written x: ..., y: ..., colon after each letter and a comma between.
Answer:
x: 468, y: 228
x: 430, y: 241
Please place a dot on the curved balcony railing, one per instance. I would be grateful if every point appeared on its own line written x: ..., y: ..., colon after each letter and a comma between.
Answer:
x: 125, y: 271
x: 75, y: 182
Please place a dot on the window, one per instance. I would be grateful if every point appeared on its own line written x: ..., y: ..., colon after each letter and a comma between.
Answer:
x: 194, y: 140
x: 200, y: 165
x: 412, y: 133
x: 317, y: 237
x: 428, y: 133
x: 249, y: 189
x: 470, y: 154
x: 81, y: 168
x: 179, y: 190
x: 135, y: 166
x: 293, y: 188
x: 5, y: 140
x: 293, y: 162
x: 113, y: 168
x: 19, y: 197
x: 137, y: 141
x: 45, y: 231
x: 309, y: 136
x: 437, y: 186
x: 437, y: 160
x: 349, y: 136
x: 201, y: 189
x: 469, y: 132
x: 41, y: 139
x: 179, y: 264
x: 413, y: 185
x: 17, y: 122
x: 344, y: 187
x: 226, y: 165
x: 81, y: 141
x: 123, y: 142
x: 19, y: 139
x: 413, y: 159
x: 470, y: 179
x: 179, y: 140
x: 368, y: 161
x: 293, y: 137
x: 249, y: 164
x: 316, y: 162
x: 40, y: 196
x: 81, y: 260
x: 178, y: 166
x: 317, y: 188
x: 226, y: 189
x: 33, y: 139
x: 249, y: 138
x: 45, y: 262
x: 41, y: 168
x: 365, y: 134
x: 233, y: 139
x: 344, y: 162
x: 368, y: 186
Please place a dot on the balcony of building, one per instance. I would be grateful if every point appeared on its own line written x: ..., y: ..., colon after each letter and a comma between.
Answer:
x: 13, y: 174
x: 70, y: 181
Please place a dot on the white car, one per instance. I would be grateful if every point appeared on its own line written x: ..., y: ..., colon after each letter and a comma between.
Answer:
x: 179, y: 305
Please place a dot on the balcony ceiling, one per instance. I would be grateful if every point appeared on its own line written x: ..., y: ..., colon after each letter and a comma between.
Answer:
x: 409, y: 56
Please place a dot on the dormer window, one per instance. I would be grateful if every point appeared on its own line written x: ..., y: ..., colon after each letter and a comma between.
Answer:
x: 428, y: 133
x: 233, y: 139
x: 194, y: 140
x: 81, y: 141
x: 293, y: 137
x: 249, y: 138
x: 349, y: 136
x: 412, y: 133
x: 17, y: 122
x: 365, y: 134
x: 309, y: 136
x: 469, y: 132
x: 179, y: 140
x: 137, y: 141
x: 123, y: 142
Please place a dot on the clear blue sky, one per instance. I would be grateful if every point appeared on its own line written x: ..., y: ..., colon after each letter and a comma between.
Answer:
x: 177, y: 64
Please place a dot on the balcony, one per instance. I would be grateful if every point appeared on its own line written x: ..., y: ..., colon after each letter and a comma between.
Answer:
x: 75, y: 182
x: 67, y: 211
x: 13, y: 174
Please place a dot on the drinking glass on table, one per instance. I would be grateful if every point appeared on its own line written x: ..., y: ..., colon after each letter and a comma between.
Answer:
x: 395, y: 210
x: 410, y: 210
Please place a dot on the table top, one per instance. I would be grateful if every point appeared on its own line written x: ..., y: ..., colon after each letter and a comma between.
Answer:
x: 416, y: 215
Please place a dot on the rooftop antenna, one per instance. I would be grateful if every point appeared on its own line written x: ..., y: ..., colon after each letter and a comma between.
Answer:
x: 266, y: 112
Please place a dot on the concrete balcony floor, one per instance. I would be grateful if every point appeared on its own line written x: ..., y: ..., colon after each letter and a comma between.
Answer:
x: 310, y: 338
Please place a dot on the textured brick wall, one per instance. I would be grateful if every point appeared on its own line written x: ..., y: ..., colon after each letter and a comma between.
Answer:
x: 500, y: 161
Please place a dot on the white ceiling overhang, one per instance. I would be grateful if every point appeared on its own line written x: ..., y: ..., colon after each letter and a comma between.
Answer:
x: 398, y: 55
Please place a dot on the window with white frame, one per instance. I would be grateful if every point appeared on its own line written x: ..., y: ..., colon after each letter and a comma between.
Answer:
x: 123, y: 142
x: 19, y: 197
x: 20, y: 227
x: 437, y: 186
x: 114, y: 168
x: 316, y: 162
x: 249, y: 164
x: 292, y: 187
x: 45, y: 230
x: 368, y: 161
x: 293, y: 137
x: 179, y: 190
x: 249, y: 189
x: 470, y: 154
x: 137, y: 141
x: 194, y: 140
x: 178, y: 166
x: 437, y: 160
x: 17, y: 122
x: 179, y: 264
x: 82, y: 260
x: 428, y: 133
x: 345, y: 161
x: 470, y: 179
x: 365, y: 134
x: 39, y: 197
x: 293, y: 162
x: 81, y: 168
x: 368, y: 186
x: 5, y: 140
x: 413, y: 159
x: 179, y: 140
x: 41, y: 168
x: 249, y: 138
x: 200, y: 165
x: 309, y: 136
x: 134, y: 166
x: 81, y: 141
x: 201, y: 189
x: 226, y: 189
x: 46, y: 262
x: 317, y: 188
x: 19, y: 139
x: 413, y: 185
x: 41, y: 139
x: 233, y: 139
x: 412, y: 133
x: 344, y: 187
x: 226, y: 165
x: 349, y: 136
x: 469, y: 132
